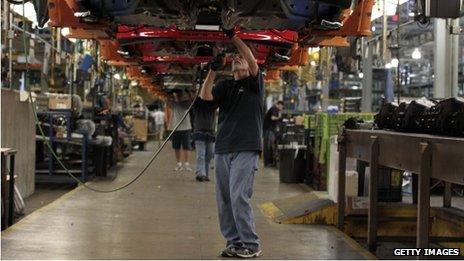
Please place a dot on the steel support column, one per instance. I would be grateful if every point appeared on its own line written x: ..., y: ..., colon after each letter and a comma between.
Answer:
x: 372, y: 216
x: 366, y: 102
x: 341, y: 181
x: 423, y: 206
x: 445, y: 59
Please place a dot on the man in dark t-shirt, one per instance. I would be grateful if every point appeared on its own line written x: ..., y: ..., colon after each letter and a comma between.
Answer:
x: 238, y: 143
x: 271, y: 119
x: 204, y: 125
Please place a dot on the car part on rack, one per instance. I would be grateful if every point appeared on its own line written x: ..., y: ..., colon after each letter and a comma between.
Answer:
x: 385, y: 118
x: 444, y: 118
x: 413, y: 114
x: 447, y: 117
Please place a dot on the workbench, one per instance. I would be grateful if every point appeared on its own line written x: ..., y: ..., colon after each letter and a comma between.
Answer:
x: 428, y: 156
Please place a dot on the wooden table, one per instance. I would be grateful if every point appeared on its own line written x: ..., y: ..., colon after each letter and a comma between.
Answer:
x: 428, y: 156
x: 8, y: 180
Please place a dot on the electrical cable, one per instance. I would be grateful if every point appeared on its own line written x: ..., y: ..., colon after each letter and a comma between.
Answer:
x: 55, y: 156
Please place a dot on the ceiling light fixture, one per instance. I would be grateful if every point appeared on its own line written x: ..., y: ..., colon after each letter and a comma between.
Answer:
x: 416, y: 54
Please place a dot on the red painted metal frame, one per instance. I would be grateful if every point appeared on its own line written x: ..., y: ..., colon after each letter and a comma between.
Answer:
x: 148, y: 49
x: 176, y: 58
x: 127, y: 32
x: 183, y: 59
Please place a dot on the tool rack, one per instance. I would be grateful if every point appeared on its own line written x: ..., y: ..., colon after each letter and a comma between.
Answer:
x: 53, y: 173
x: 428, y: 156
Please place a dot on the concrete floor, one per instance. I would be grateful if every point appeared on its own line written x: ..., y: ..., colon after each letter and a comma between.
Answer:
x: 164, y: 215
x: 43, y: 195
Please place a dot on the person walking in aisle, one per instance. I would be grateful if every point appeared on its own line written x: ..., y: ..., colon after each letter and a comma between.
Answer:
x: 204, y: 125
x: 181, y: 137
x: 158, y: 117
x: 271, y: 119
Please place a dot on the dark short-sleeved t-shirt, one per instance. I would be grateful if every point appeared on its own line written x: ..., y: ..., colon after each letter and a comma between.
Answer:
x: 204, y: 119
x: 269, y: 124
x: 240, y: 121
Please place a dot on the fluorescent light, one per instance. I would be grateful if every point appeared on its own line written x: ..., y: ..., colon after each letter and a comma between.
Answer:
x: 361, y: 75
x: 207, y: 27
x: 395, y: 62
x: 117, y: 76
x: 416, y: 54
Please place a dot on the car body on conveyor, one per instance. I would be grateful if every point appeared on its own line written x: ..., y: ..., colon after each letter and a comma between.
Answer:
x: 324, y: 22
x: 186, y: 15
x: 164, y: 39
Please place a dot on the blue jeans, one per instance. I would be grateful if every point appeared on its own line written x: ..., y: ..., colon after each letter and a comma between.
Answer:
x: 204, y: 155
x: 235, y: 174
x: 269, y: 148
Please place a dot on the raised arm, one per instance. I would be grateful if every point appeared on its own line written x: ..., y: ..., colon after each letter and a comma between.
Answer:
x: 229, y: 20
x: 247, y: 54
x: 207, y: 87
x: 206, y: 92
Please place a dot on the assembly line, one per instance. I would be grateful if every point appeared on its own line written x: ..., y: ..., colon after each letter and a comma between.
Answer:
x: 208, y: 129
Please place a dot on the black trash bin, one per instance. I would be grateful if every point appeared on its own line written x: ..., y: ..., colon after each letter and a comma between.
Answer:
x: 291, y: 168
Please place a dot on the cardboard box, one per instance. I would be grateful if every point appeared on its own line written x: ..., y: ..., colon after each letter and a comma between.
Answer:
x: 140, y: 129
x: 59, y: 103
x: 351, y: 178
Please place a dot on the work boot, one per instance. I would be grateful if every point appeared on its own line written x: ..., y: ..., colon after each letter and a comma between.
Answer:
x: 230, y: 251
x: 248, y: 253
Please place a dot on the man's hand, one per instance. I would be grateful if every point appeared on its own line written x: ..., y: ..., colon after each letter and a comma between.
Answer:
x: 217, y: 62
x: 229, y: 20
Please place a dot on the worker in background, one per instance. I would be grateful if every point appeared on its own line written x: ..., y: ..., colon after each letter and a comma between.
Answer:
x: 271, y: 119
x: 158, y: 119
x: 204, y: 125
x: 181, y: 137
x: 238, y: 143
